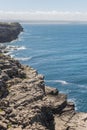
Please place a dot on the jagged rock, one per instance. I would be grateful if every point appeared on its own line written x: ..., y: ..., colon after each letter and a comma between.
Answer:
x: 3, y: 126
x: 51, y: 91
x: 4, y: 77
x: 3, y: 88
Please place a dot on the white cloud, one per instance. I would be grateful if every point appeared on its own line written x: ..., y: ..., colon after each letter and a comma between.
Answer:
x: 43, y: 15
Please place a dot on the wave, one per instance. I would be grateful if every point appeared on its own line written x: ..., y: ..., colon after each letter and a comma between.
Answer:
x: 18, y: 39
x: 82, y: 86
x: 14, y: 41
x: 12, y: 48
x: 12, y: 56
x: 21, y: 48
x: 58, y: 81
x: 23, y: 59
x: 75, y: 102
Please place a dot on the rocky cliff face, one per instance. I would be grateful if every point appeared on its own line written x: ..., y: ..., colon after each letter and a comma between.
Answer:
x: 9, y: 31
x: 26, y: 103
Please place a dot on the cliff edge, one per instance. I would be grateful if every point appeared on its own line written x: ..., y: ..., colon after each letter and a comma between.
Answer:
x: 26, y: 103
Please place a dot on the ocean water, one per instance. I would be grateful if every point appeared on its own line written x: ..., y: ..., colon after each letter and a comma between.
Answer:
x: 59, y: 52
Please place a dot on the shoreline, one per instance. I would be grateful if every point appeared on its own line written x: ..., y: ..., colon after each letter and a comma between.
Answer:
x: 26, y: 103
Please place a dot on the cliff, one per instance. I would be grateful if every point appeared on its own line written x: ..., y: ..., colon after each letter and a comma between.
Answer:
x: 9, y: 31
x: 26, y: 103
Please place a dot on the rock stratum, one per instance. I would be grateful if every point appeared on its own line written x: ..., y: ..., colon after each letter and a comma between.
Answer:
x: 9, y: 31
x: 26, y: 103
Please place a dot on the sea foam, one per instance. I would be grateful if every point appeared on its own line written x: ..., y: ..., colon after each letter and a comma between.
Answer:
x: 12, y: 48
x: 23, y: 58
x: 58, y: 81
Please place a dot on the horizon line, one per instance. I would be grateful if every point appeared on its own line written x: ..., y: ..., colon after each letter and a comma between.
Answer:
x: 47, y: 21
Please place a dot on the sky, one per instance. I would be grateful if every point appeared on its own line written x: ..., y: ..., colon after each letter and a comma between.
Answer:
x: 72, y: 10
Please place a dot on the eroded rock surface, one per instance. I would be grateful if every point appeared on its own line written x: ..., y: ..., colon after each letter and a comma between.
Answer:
x: 26, y: 103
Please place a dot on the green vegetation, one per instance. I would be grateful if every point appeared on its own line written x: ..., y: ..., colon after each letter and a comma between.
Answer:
x: 1, y: 110
x: 9, y: 125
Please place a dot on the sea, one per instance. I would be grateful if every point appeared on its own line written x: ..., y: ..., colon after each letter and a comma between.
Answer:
x: 59, y: 52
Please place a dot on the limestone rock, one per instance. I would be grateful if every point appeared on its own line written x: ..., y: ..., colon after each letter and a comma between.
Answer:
x: 29, y: 104
x: 3, y: 126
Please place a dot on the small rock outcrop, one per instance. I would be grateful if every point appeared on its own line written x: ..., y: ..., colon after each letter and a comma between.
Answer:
x: 9, y: 31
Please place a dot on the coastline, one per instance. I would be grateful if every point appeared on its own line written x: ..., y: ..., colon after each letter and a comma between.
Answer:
x: 27, y: 103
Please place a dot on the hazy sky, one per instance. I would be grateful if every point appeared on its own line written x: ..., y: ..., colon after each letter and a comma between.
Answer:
x: 44, y: 9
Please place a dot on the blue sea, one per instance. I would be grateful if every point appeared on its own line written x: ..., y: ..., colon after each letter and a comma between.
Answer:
x: 59, y: 52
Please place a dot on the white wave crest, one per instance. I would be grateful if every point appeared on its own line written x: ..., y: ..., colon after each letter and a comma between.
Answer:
x: 59, y: 81
x: 12, y: 48
x: 13, y: 41
x: 23, y: 59
x: 82, y: 86
x: 68, y: 83
x: 12, y: 56
x: 18, y: 39
x: 62, y: 82
x: 21, y: 48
